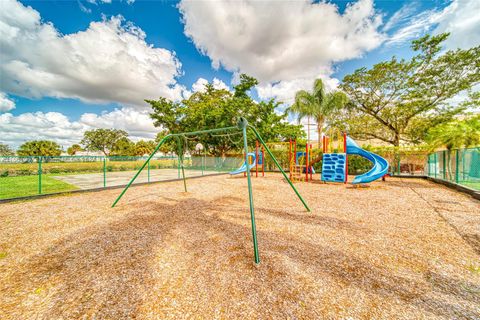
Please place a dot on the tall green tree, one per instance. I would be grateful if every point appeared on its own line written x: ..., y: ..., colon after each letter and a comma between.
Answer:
x: 397, y: 101
x: 456, y: 134
x: 72, y: 150
x: 143, y: 147
x: 39, y: 148
x: 123, y: 147
x: 317, y: 105
x: 103, y: 140
x: 216, y: 108
x: 5, y: 150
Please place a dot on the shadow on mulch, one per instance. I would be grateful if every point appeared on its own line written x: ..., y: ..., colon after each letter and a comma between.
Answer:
x: 107, y: 268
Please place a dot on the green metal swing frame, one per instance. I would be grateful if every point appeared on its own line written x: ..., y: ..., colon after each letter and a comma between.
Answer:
x: 243, y: 126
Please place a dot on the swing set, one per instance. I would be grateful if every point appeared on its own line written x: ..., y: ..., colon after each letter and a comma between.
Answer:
x: 240, y: 128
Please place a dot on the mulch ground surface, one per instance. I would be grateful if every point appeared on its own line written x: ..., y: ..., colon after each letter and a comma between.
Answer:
x: 400, y: 249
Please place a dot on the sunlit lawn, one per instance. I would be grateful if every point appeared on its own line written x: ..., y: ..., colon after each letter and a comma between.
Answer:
x: 12, y: 187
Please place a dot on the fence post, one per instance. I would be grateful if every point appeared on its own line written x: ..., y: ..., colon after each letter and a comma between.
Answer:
x: 39, y: 175
x: 444, y: 155
x: 104, y: 172
x: 456, y: 167
x: 398, y: 165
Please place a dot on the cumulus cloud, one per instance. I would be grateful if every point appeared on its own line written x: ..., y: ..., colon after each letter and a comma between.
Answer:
x: 460, y: 18
x: 109, y: 61
x: 286, y: 45
x: 285, y: 41
x: 285, y: 91
x: 6, y: 104
x: 199, y: 85
x: 57, y: 127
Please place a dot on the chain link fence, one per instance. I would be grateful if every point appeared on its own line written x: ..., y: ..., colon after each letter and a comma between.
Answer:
x: 461, y: 166
x: 28, y: 176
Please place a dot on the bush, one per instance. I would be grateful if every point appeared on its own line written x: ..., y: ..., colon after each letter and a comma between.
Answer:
x: 3, y: 173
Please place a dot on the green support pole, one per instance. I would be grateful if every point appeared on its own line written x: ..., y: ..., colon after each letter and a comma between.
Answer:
x: 444, y: 165
x: 39, y: 175
x: 435, y: 159
x: 148, y: 171
x: 279, y: 167
x: 104, y: 172
x: 250, y: 195
x: 463, y: 164
x: 140, y: 170
x: 180, y: 162
x: 178, y: 166
x: 398, y: 165
x: 456, y: 167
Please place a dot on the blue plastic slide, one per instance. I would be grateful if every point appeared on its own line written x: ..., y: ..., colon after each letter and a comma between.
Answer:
x: 243, y: 168
x: 380, y: 165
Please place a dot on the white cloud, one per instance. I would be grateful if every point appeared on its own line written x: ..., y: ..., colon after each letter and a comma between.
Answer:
x: 460, y: 18
x: 287, y: 41
x: 199, y: 85
x: 109, y: 61
x: 6, y: 104
x: 57, y: 127
x: 285, y: 91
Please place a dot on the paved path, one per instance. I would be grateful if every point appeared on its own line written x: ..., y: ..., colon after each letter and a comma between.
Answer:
x: 95, y: 180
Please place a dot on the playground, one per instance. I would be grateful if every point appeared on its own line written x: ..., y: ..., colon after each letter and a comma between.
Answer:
x: 403, y: 248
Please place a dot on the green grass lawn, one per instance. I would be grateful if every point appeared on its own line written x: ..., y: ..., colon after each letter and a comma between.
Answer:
x: 475, y: 185
x: 12, y: 187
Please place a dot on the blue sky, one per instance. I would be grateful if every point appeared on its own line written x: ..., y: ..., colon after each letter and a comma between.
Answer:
x: 70, y: 66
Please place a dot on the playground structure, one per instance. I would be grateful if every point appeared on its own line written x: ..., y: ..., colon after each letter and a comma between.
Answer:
x: 335, y: 164
x: 300, y: 162
x: 242, y: 126
x: 254, y: 159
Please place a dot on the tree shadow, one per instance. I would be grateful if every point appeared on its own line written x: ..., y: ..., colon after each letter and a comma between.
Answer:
x: 106, y: 269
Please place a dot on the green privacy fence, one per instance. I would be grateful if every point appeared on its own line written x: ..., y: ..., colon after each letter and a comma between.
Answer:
x: 27, y: 176
x: 461, y: 166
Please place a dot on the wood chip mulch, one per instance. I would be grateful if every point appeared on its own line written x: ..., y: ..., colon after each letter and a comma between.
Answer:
x: 401, y: 249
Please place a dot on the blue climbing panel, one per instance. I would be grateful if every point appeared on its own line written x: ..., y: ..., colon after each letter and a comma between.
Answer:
x: 333, y: 167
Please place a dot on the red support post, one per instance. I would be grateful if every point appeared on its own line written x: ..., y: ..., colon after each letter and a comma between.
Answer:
x: 290, y: 158
x: 323, y: 144
x: 263, y: 162
x: 295, y: 151
x: 311, y: 169
x: 256, y: 159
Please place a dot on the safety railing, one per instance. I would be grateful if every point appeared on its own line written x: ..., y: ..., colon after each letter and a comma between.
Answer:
x: 460, y: 166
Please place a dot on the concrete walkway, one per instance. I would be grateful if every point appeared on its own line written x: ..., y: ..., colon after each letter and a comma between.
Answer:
x: 95, y: 180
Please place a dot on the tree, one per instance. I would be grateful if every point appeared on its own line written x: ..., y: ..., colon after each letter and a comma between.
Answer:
x: 318, y: 105
x: 74, y: 149
x: 103, y: 140
x: 123, y: 147
x: 143, y: 147
x: 397, y: 101
x: 39, y: 148
x: 216, y: 108
x: 456, y: 134
x: 5, y: 150
x: 169, y: 146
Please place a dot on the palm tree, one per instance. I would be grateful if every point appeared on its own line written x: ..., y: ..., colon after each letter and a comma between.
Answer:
x: 318, y: 105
